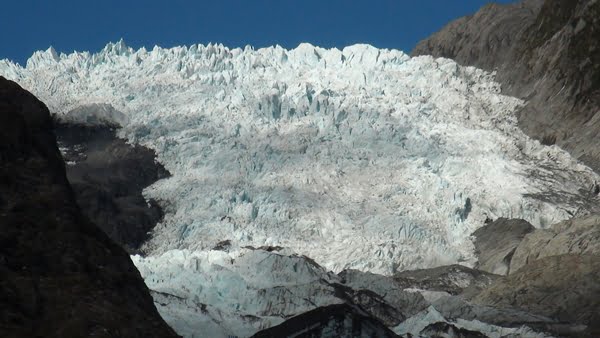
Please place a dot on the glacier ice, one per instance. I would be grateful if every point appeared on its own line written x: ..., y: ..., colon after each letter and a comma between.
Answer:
x: 234, y: 293
x: 359, y: 158
x: 238, y: 293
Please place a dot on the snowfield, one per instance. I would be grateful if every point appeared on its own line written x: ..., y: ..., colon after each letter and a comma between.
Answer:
x: 359, y: 158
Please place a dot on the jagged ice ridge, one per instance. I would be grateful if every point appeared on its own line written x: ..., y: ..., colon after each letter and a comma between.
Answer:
x: 360, y: 158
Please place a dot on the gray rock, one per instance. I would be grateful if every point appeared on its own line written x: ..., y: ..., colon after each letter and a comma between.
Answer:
x: 442, y: 329
x: 453, y: 279
x: 496, y: 242
x: 565, y: 288
x: 456, y: 307
x: 544, y: 51
x: 578, y: 236
x: 405, y: 304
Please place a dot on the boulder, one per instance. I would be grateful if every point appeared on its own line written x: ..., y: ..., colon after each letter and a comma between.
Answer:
x: 576, y: 236
x: 496, y: 242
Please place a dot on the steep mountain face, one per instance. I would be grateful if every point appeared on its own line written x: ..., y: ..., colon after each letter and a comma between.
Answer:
x: 546, y: 52
x: 59, y: 274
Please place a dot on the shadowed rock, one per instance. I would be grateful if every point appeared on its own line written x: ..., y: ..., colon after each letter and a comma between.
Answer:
x: 108, y: 176
x: 340, y: 320
x: 59, y: 274
x: 381, y: 296
x: 442, y: 329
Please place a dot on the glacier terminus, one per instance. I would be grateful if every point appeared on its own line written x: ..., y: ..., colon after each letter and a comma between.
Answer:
x: 360, y: 158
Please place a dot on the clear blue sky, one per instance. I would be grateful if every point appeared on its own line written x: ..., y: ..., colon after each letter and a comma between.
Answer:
x: 30, y: 25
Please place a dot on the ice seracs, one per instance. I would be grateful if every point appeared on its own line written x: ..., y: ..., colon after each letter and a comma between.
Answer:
x: 358, y: 158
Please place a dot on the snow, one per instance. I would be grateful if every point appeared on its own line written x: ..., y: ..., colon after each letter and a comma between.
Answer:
x: 359, y: 158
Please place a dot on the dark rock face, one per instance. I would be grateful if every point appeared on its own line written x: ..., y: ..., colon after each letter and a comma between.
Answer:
x: 59, y: 274
x: 442, y: 329
x: 339, y: 320
x: 565, y: 288
x: 546, y: 52
x: 108, y: 176
x: 496, y: 242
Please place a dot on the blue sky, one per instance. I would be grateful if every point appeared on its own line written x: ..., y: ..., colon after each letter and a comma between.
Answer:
x: 30, y: 25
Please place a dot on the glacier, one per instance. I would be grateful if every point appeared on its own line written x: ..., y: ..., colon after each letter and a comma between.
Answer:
x: 360, y: 158
x: 224, y: 294
x: 234, y: 294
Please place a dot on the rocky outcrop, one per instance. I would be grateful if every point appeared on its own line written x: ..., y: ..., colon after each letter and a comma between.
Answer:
x: 59, y: 274
x: 544, y: 51
x: 381, y: 296
x: 574, y: 236
x: 565, y: 288
x: 506, y: 245
x: 340, y: 320
x: 108, y: 176
x: 457, y: 307
x: 552, y: 286
x: 496, y: 242
x: 452, y: 279
x: 443, y: 329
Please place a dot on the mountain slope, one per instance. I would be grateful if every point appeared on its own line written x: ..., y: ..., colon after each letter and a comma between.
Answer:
x: 60, y: 275
x: 546, y: 52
